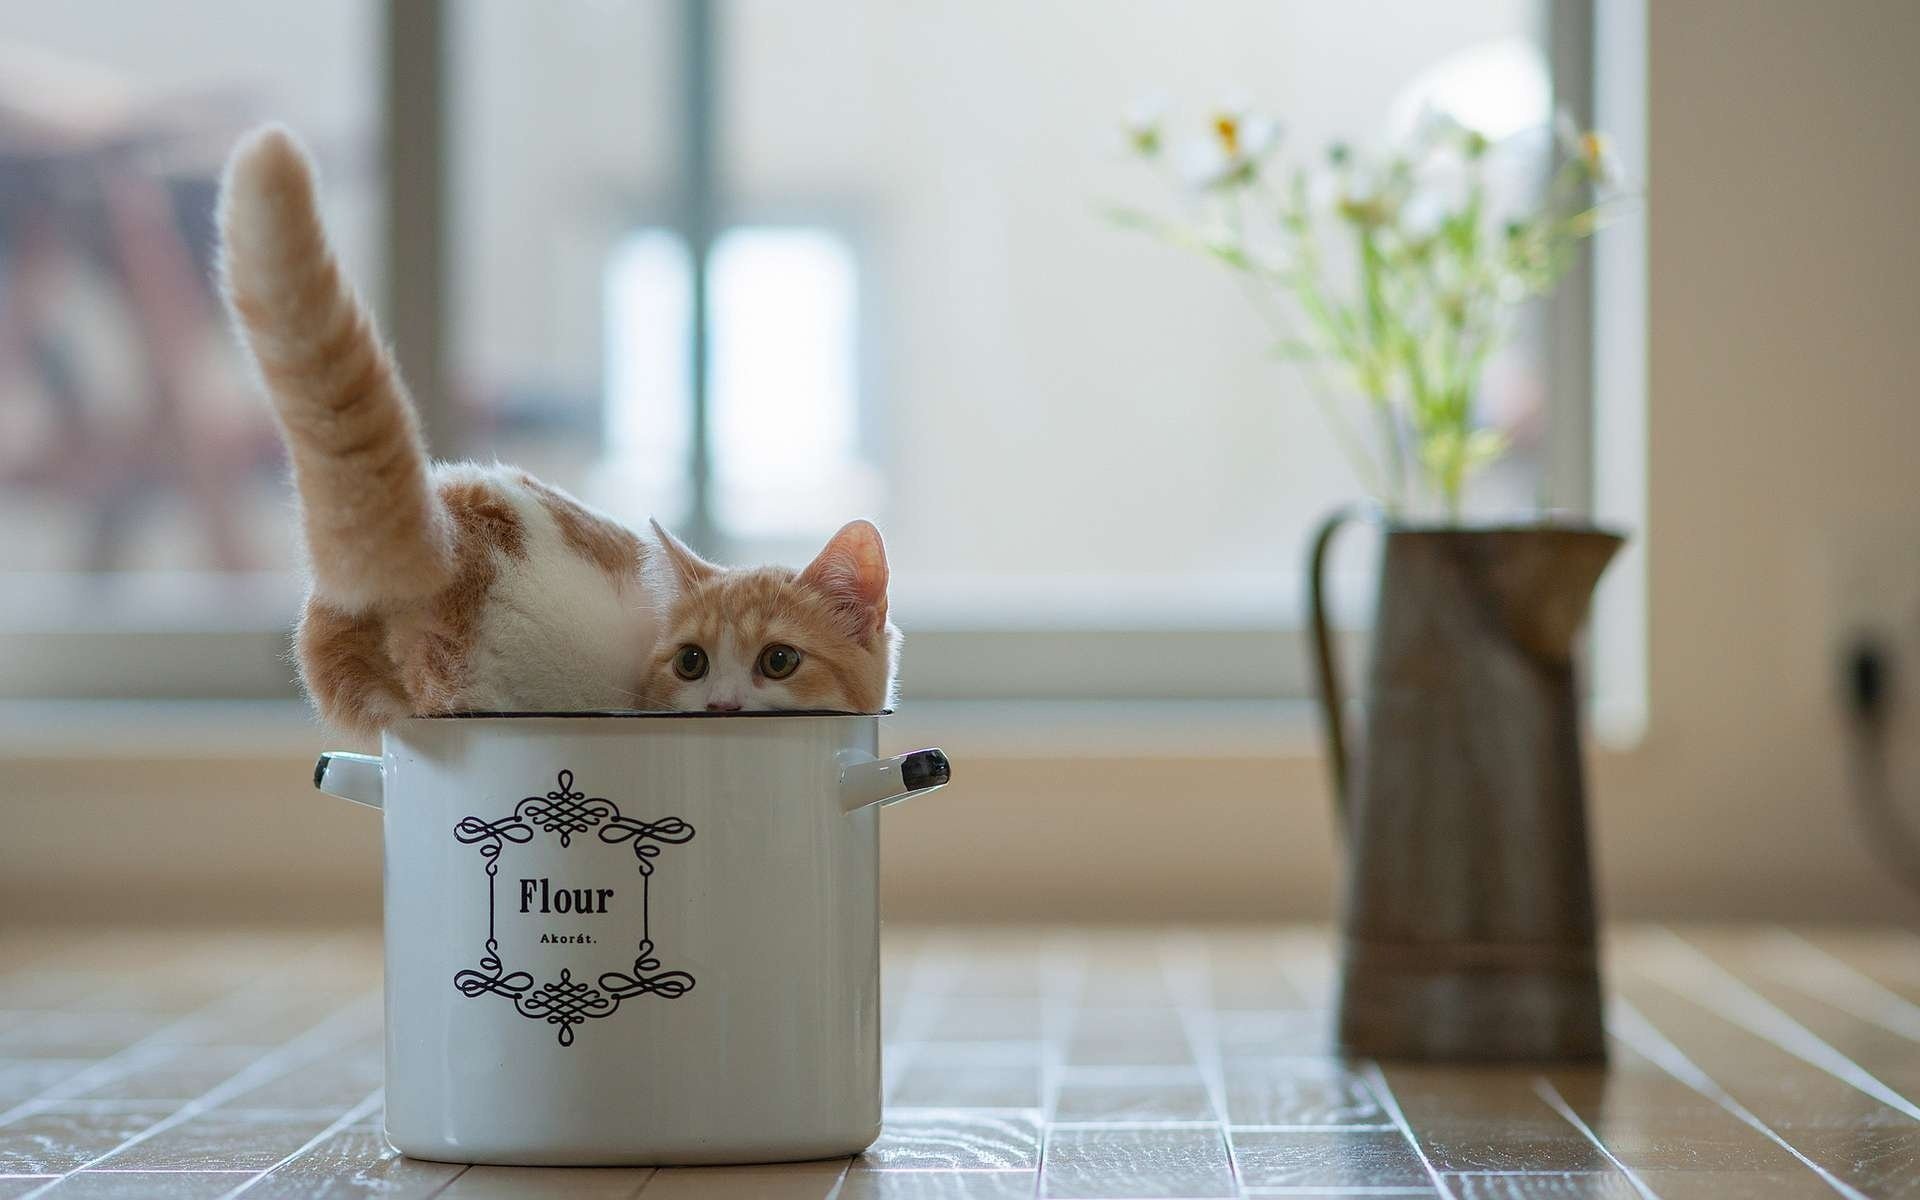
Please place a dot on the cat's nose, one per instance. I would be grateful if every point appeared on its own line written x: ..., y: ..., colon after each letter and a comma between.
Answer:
x: 723, y: 706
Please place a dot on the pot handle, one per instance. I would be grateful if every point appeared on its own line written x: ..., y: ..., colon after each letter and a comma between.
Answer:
x: 1333, y: 722
x: 865, y: 781
x: 354, y: 777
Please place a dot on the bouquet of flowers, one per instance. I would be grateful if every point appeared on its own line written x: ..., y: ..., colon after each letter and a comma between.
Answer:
x: 1396, y: 270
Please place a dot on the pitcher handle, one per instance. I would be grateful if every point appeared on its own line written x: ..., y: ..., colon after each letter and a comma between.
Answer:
x: 1332, y: 707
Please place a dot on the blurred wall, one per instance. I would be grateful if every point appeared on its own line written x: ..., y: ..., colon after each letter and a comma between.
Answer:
x: 1784, y: 445
x: 1783, y: 497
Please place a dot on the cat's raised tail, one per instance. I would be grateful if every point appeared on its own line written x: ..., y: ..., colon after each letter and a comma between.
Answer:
x: 376, y: 531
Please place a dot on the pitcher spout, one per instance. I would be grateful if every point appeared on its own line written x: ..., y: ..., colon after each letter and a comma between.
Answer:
x: 1541, y: 581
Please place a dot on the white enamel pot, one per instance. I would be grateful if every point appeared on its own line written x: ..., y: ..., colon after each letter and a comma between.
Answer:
x: 632, y: 939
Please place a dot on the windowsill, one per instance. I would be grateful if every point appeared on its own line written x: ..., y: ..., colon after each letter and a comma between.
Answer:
x: 112, y: 730
x: 1148, y: 675
x: 982, y: 640
x: 107, y: 730
x: 1110, y: 728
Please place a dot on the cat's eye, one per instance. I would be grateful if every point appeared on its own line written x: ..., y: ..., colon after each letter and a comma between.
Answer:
x: 690, y: 663
x: 779, y: 661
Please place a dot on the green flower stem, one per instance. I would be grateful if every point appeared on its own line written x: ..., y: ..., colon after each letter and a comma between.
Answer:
x: 1379, y: 329
x: 1428, y: 306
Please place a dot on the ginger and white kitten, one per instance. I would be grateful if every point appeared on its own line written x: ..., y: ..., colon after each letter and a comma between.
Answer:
x: 447, y: 587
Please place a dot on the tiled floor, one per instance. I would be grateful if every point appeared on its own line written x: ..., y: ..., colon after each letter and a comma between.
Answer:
x: 1056, y: 1063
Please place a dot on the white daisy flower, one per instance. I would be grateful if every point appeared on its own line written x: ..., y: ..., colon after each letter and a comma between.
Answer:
x: 1140, y: 124
x: 1435, y: 130
x: 1591, y: 148
x: 1424, y: 213
x: 1231, y: 152
x: 1323, y: 192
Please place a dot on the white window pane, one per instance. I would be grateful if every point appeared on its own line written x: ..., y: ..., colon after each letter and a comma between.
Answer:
x: 784, y: 309
x: 1055, y: 398
x: 649, y: 312
x: 561, y: 144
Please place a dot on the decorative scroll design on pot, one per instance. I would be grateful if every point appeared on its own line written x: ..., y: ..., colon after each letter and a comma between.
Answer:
x: 567, y: 1002
x: 671, y: 984
x: 565, y: 811
x: 644, y: 834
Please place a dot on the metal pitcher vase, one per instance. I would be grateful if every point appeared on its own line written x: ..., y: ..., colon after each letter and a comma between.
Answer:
x: 1469, y: 928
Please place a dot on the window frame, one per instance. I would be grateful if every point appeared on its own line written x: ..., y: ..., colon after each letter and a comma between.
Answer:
x: 1225, y: 651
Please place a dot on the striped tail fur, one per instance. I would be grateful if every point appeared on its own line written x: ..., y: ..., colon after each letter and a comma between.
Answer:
x: 376, y: 532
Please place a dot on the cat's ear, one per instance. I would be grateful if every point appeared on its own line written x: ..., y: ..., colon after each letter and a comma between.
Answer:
x: 852, y: 571
x: 689, y: 568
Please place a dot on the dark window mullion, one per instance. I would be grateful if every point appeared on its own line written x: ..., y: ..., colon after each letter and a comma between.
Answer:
x: 699, y: 202
x: 1568, y: 470
x: 415, y: 135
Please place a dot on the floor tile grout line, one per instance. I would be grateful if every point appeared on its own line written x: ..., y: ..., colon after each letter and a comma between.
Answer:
x: 1344, y: 1127
x: 1771, y: 984
x: 164, y: 1107
x: 965, y: 1110
x: 128, y: 1058
x: 1306, y: 1191
x: 1377, y: 1080
x: 1312, y: 998
x: 1541, y: 1172
x: 341, y: 1122
x: 457, y: 1176
x: 1628, y: 1024
x: 833, y: 1193
x: 280, y: 1058
x: 923, y: 1002
x: 158, y: 1171
x: 1084, y: 1126
x: 1145, y: 1073
x: 1543, y: 1087
x: 1844, y: 1000
x: 114, y: 1066
x: 915, y: 1016
x: 1756, y: 1014
x: 857, y: 1168
x: 1315, y: 1000
x: 1059, y: 1013
x: 1350, y: 1191
x: 1193, y: 1003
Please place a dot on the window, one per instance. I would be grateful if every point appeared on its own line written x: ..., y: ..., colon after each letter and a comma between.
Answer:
x: 1063, y: 430
x: 784, y: 314
x: 649, y: 426
x: 782, y: 361
x: 754, y: 268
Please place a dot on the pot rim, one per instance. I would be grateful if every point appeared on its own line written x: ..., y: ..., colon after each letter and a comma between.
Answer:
x: 639, y: 714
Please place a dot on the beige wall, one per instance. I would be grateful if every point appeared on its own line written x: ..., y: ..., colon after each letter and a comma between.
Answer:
x: 1784, y: 433
x: 1784, y: 441
x: 1036, y: 839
